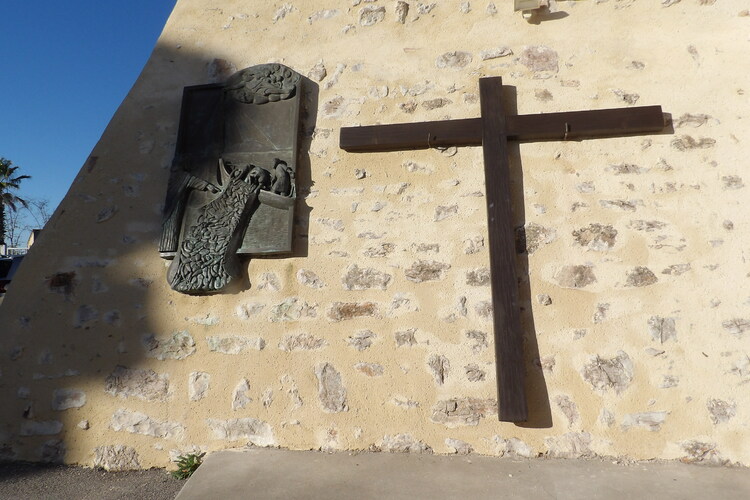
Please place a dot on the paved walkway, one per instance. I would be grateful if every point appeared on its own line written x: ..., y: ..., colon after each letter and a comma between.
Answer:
x: 279, y: 474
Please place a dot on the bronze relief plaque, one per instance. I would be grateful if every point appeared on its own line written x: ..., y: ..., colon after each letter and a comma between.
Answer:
x: 231, y: 189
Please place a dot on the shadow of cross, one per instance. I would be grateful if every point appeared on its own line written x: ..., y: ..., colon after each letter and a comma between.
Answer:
x: 492, y: 131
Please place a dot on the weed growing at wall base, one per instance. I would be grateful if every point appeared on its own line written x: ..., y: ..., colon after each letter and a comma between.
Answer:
x: 187, y: 464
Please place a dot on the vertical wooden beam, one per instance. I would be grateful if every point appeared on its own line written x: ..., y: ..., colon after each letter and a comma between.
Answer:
x: 507, y: 322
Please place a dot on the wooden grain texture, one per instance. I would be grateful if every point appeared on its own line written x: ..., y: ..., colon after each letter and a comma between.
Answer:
x: 509, y: 363
x: 571, y: 125
x: 492, y: 131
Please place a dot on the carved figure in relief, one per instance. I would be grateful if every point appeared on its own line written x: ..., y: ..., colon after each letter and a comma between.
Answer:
x: 232, y: 187
x: 207, y: 259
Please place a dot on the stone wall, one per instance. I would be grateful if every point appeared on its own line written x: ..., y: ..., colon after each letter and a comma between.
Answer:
x: 376, y: 334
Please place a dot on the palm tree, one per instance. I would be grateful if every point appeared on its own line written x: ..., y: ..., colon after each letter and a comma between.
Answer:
x: 9, y: 181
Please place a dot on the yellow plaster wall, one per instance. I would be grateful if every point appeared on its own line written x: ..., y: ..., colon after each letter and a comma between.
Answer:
x: 637, y: 364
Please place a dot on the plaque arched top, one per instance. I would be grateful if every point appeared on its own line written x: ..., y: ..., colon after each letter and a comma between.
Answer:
x: 262, y: 84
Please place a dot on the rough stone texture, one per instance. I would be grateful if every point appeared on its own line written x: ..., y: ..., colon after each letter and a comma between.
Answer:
x: 626, y: 168
x: 625, y: 205
x: 292, y: 309
x: 732, y: 182
x: 405, y: 337
x: 269, y: 282
x: 256, y: 432
x: 596, y: 237
x: 640, y: 276
x: 62, y: 399
x: 140, y: 423
x: 404, y: 443
x: 458, y: 412
x: 52, y: 451
x: 495, y: 53
x: 691, y: 120
x: 540, y: 59
x: 458, y: 447
x: 301, y: 342
x: 198, y: 385
x: 220, y: 69
x: 429, y: 106
x: 249, y: 309
x: 41, y: 428
x: 544, y: 299
x: 478, y: 277
x: 473, y: 245
x: 675, y: 200
x: 267, y: 397
x: 546, y: 363
x: 568, y: 408
x: 474, y: 373
x: 85, y: 317
x: 720, y: 411
x: 322, y: 14
x: 440, y: 367
x: 533, y: 236
x: 241, y: 395
x: 512, y: 447
x: 651, y: 421
x: 423, y: 270
x: 317, y: 72
x: 202, y: 319
x: 662, y: 329
x: 362, y: 339
x: 341, y: 311
x: 570, y: 445
x: 702, y: 452
x: 601, y: 313
x: 445, y: 212
x: 613, y: 373
x: 453, y: 60
x: 357, y: 278
x: 382, y: 250
x: 235, y: 344
x: 628, y: 97
x: 142, y: 384
x: 736, y: 326
x: 575, y: 276
x: 370, y: 369
x: 309, y: 278
x: 371, y: 15
x: 543, y: 95
x: 646, y: 225
x: 606, y: 418
x: 676, y: 269
x: 686, y: 143
x: 331, y: 391
x: 179, y: 345
x: 479, y: 338
x: 116, y: 458
x: 402, y: 10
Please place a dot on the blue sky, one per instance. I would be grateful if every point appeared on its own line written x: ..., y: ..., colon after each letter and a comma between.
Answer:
x: 67, y: 66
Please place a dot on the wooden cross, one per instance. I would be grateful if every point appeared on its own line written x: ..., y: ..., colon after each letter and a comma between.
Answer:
x: 492, y: 131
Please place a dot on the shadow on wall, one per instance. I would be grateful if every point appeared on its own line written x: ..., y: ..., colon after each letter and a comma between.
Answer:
x: 79, y: 318
x: 540, y: 414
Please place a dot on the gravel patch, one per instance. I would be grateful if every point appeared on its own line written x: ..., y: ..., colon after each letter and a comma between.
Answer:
x: 43, y: 481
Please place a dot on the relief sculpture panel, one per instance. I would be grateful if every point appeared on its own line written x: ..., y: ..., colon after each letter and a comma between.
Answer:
x: 231, y: 190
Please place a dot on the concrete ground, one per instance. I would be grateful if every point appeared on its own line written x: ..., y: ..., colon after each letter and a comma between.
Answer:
x: 279, y: 474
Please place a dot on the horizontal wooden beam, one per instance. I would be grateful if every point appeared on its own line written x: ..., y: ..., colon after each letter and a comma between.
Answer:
x: 421, y: 135
x: 570, y: 125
